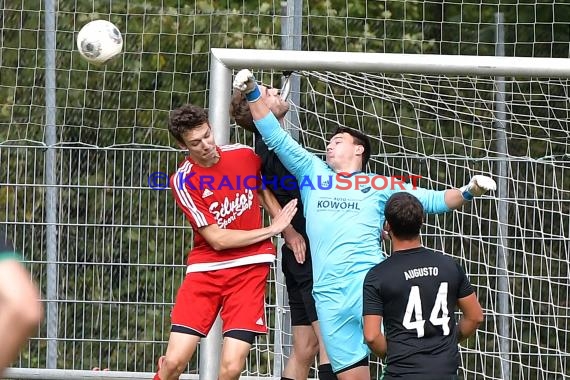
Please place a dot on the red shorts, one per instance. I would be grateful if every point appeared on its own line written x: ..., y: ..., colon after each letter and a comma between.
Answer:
x: 239, y: 292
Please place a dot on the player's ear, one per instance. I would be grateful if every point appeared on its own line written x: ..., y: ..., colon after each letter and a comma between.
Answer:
x: 359, y: 149
x: 386, y: 231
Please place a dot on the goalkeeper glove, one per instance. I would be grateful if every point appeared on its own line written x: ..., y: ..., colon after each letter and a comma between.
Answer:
x: 245, y: 82
x: 478, y: 186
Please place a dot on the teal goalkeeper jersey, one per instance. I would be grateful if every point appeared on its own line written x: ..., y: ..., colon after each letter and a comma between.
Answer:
x: 344, y: 221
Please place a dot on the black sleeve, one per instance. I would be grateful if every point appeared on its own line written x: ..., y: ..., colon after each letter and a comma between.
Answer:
x: 465, y: 289
x: 281, y: 183
x: 270, y: 163
x: 372, y: 298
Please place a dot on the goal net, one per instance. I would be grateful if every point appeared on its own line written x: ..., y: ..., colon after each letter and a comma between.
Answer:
x: 108, y: 251
x: 513, y: 243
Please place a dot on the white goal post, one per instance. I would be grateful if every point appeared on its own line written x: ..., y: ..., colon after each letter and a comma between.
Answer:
x: 224, y: 61
x: 490, y: 242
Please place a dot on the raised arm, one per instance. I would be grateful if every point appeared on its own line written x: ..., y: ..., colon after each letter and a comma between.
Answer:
x: 436, y: 202
x: 296, y: 159
x: 479, y: 185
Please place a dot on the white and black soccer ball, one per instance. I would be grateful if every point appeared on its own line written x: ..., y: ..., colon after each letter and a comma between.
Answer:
x: 99, y: 41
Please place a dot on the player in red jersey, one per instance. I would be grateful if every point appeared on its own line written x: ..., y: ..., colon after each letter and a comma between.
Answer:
x: 219, y: 190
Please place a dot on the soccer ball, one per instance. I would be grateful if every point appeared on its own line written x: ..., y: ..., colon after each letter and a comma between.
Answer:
x: 99, y: 41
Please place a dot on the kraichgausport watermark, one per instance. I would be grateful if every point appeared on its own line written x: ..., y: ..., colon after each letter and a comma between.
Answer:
x: 338, y: 181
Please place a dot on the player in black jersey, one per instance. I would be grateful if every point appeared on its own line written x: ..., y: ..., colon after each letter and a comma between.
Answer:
x: 20, y: 308
x: 297, y: 268
x: 413, y: 293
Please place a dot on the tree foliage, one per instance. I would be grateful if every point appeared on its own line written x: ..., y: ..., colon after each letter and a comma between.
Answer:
x: 122, y: 245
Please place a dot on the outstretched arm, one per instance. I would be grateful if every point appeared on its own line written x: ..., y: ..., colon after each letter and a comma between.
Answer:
x: 222, y: 238
x: 479, y: 185
x: 296, y: 159
x: 244, y: 81
x: 436, y: 202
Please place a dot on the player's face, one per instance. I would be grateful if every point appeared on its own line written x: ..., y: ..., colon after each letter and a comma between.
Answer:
x: 273, y: 101
x: 201, y: 145
x: 341, y: 151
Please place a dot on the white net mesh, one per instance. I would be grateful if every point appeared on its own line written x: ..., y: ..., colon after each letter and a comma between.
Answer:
x: 446, y: 129
x: 121, y: 245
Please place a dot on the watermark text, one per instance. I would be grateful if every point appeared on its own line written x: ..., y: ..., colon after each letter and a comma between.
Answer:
x: 339, y: 181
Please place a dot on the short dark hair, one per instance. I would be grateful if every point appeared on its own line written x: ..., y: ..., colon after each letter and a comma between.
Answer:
x: 359, y: 139
x: 186, y: 118
x: 240, y: 112
x: 405, y: 215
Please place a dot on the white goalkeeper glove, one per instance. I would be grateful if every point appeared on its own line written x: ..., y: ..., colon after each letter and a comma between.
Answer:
x: 245, y: 82
x: 478, y: 186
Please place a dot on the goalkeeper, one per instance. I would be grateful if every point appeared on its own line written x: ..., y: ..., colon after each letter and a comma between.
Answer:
x: 344, y: 241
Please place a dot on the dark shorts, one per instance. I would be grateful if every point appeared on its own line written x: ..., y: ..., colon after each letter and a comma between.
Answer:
x: 420, y: 377
x: 299, y: 282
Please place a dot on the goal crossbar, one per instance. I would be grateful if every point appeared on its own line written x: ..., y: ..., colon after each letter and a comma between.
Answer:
x: 392, y: 63
x: 223, y: 61
x: 477, y: 121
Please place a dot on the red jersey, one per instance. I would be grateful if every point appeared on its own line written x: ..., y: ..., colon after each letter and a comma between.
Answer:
x: 224, y: 194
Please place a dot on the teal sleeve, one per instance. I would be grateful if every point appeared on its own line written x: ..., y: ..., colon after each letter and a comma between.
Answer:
x: 294, y: 157
x: 7, y: 251
x: 10, y: 255
x: 432, y: 200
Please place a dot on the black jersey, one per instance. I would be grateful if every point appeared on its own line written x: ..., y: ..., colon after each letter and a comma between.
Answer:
x: 416, y: 292
x: 282, y: 183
